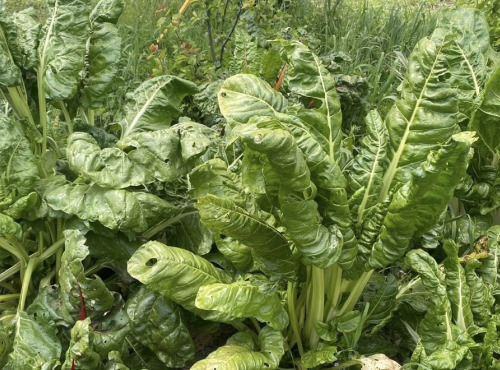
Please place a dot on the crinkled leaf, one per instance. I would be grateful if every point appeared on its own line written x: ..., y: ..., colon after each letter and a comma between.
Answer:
x: 426, y: 114
x: 36, y: 346
x: 176, y: 274
x: 10, y: 227
x: 316, y: 244
x: 418, y: 204
x: 11, y: 74
x: 103, y: 53
x: 115, y: 362
x: 367, y: 171
x: 378, y: 361
x: 482, y: 299
x: 191, y: 234
x: 128, y: 211
x: 213, y: 177
x: 238, y: 254
x: 490, y: 265
x: 28, y: 29
x: 17, y: 163
x: 62, y: 47
x: 154, y: 104
x: 243, y: 299
x: 244, y: 96
x: 308, y: 78
x: 21, y: 205
x: 81, y: 354
x: 157, y: 323
x: 458, y: 291
x: 76, y: 288
x: 323, y: 355
x: 270, y: 248
x: 485, y: 119
x: 239, y: 353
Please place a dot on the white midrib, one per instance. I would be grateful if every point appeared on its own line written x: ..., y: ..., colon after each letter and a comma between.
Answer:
x: 460, y: 313
x: 370, y: 183
x: 328, y: 116
x: 139, y: 114
x: 47, y: 38
x: 391, y: 171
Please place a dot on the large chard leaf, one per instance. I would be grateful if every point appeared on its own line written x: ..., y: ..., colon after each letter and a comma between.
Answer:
x: 176, y: 274
x: 482, y: 299
x: 142, y: 157
x: 489, y: 269
x: 243, y: 299
x: 418, y: 204
x: 128, y: 211
x: 62, y: 47
x: 485, y: 120
x: 28, y: 29
x: 270, y: 248
x: 157, y: 324
x: 426, y: 114
x: 307, y: 77
x: 11, y: 74
x: 445, y: 343
x: 103, y: 53
x: 154, y: 104
x: 458, y: 290
x: 244, y: 96
x: 76, y: 288
x: 240, y: 353
x: 18, y: 167
x: 35, y: 346
x: 367, y: 171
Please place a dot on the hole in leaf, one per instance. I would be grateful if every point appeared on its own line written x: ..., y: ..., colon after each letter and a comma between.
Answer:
x: 166, y: 160
x: 223, y: 94
x: 266, y: 364
x: 151, y: 262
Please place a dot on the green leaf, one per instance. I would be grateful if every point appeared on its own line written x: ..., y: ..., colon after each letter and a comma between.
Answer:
x: 243, y: 299
x: 238, y: 254
x: 284, y: 156
x: 244, y: 96
x: 10, y: 227
x: 62, y: 47
x: 157, y: 324
x: 115, y: 362
x: 76, y: 289
x: 316, y: 244
x: 458, y: 291
x: 239, y: 353
x: 323, y: 355
x: 128, y: 211
x: 485, y: 119
x: 482, y: 299
x: 270, y: 249
x: 11, y: 74
x: 426, y: 114
x: 36, y: 346
x: 307, y: 77
x: 103, y: 53
x: 28, y: 30
x: 81, y: 354
x: 176, y: 274
x: 154, y: 104
x: 491, y: 265
x: 17, y: 162
x: 367, y: 171
x: 418, y: 204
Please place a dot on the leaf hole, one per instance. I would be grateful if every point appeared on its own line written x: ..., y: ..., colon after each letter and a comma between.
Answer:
x: 266, y: 364
x: 151, y: 262
x: 223, y: 94
x: 166, y: 160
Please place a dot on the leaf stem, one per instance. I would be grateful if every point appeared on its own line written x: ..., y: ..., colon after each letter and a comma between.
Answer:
x: 292, y: 314
x: 356, y: 293
x: 26, y: 283
x: 17, y: 250
x: 164, y: 224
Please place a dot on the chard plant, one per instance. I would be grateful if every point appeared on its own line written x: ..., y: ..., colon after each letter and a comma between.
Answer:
x: 304, y: 225
x: 120, y: 243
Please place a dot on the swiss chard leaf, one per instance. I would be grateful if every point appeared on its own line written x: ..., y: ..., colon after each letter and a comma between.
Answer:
x: 240, y: 353
x: 157, y: 324
x: 243, y: 299
x: 81, y: 353
x: 177, y: 274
